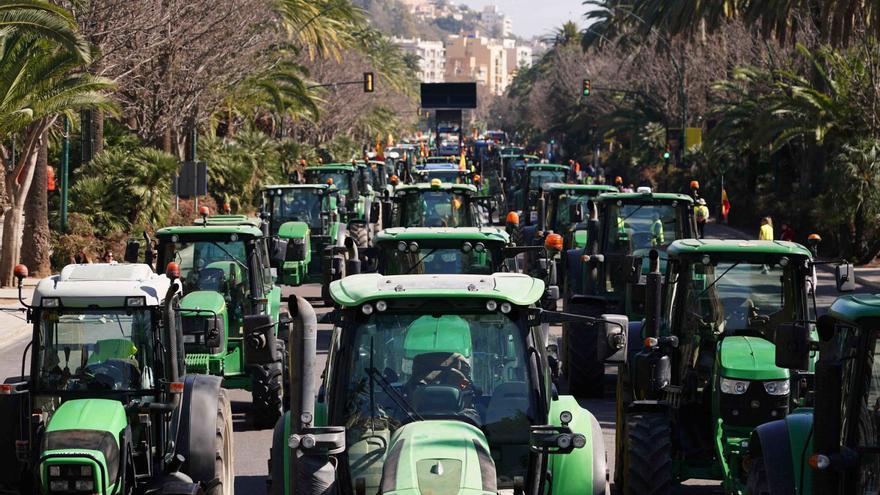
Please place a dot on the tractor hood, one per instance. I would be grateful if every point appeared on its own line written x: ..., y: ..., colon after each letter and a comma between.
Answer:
x: 84, y: 432
x: 749, y: 358
x: 207, y: 300
x: 293, y: 230
x: 438, y: 457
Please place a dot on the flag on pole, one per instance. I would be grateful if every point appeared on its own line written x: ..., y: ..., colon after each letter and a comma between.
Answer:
x: 725, y: 204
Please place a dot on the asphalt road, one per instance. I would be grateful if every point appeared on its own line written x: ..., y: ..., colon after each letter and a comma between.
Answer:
x: 252, y: 446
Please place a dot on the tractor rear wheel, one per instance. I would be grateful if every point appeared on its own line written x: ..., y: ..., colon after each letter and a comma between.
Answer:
x: 648, y: 455
x: 285, y: 375
x: 757, y: 483
x: 266, y: 394
x: 223, y: 465
x: 359, y: 234
x: 583, y: 370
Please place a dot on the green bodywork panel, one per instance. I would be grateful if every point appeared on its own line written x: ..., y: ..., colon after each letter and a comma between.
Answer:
x: 800, y: 435
x: 852, y: 308
x: 436, y: 457
x: 213, y: 364
x: 580, y: 239
x: 293, y: 230
x: 295, y: 272
x: 684, y: 247
x: 749, y: 358
x: 84, y: 414
x: 449, y: 333
x: 203, y: 299
x: 514, y: 288
x: 486, y: 234
x: 572, y: 472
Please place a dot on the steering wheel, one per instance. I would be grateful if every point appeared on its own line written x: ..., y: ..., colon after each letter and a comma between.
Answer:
x: 111, y: 374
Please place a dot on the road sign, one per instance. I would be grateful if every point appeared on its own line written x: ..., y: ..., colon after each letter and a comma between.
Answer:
x: 192, y: 180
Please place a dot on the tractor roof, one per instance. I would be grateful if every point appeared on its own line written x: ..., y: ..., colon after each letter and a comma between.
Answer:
x: 743, y: 246
x: 559, y: 186
x: 519, y: 155
x: 332, y: 167
x: 211, y: 229
x: 103, y: 285
x: 855, y: 307
x: 636, y: 197
x: 297, y: 186
x: 234, y: 220
x: 515, y: 288
x: 490, y: 234
x: 427, y: 186
x: 546, y: 166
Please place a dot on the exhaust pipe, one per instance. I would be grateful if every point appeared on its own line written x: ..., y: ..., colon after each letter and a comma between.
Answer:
x: 653, y: 295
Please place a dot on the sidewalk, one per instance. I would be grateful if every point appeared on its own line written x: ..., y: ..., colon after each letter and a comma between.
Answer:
x: 9, y: 295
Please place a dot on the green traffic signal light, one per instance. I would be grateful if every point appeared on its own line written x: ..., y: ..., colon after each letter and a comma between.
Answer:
x: 587, y: 87
x: 666, y: 155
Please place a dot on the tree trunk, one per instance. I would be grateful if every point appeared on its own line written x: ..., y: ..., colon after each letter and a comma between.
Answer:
x: 36, y: 240
x: 98, y: 130
x: 10, y: 254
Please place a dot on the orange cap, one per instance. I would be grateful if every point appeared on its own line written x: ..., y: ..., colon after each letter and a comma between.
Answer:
x: 618, y: 180
x: 513, y: 218
x: 477, y: 178
x: 553, y: 241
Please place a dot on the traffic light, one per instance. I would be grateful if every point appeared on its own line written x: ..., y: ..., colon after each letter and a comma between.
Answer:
x: 368, y: 82
x: 587, y: 87
x: 666, y: 153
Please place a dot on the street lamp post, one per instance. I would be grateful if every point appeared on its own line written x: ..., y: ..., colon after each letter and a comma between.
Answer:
x: 65, y: 172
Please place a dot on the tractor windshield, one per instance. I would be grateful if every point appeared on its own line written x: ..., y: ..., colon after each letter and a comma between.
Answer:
x: 213, y: 266
x: 434, y: 209
x: 538, y: 177
x: 340, y: 178
x: 401, y: 258
x: 447, y: 176
x: 731, y: 297
x: 97, y: 350
x: 560, y: 216
x: 636, y: 228
x: 410, y: 367
x: 296, y: 205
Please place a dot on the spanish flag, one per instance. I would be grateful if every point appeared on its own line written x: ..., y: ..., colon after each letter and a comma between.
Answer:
x: 725, y: 204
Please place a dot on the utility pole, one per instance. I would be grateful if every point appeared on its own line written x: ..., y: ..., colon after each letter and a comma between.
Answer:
x: 65, y: 172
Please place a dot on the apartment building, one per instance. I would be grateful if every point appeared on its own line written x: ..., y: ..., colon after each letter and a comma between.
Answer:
x: 432, y: 57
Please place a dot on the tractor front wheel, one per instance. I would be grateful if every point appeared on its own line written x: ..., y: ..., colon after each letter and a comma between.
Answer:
x: 266, y: 394
x: 223, y: 465
x: 647, y: 455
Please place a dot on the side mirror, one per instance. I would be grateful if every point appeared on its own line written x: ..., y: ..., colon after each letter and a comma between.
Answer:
x: 845, y: 276
x: 633, y: 267
x: 575, y: 213
x: 132, y: 248
x: 793, y: 347
x: 614, y: 346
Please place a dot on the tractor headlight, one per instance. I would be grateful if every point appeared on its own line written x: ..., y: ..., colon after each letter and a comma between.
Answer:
x: 50, y: 302
x: 735, y: 387
x: 777, y: 387
x: 85, y: 471
x: 84, y: 486
x: 54, y: 471
x: 58, y: 485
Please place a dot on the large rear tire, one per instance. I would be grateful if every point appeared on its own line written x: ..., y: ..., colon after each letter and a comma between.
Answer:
x: 223, y: 464
x: 359, y: 233
x: 757, y: 483
x: 266, y: 382
x: 583, y: 370
x: 648, y: 455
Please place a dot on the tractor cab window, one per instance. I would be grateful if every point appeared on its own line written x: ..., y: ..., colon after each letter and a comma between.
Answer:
x: 340, y: 178
x: 96, y: 350
x: 216, y: 266
x: 538, y: 177
x: 402, y: 258
x: 737, y: 297
x: 434, y: 209
x: 296, y: 205
x: 637, y: 228
x: 411, y: 367
x: 559, y: 215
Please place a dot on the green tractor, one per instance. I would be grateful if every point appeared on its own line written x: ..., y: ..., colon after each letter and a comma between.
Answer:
x: 107, y: 405
x: 833, y: 447
x: 303, y: 223
x: 701, y: 376
x: 435, y: 385
x: 529, y: 180
x: 424, y: 250
x: 608, y: 274
x: 437, y: 204
x: 360, y: 208
x: 233, y: 324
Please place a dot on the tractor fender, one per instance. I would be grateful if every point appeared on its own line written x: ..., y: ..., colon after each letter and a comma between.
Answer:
x: 279, y: 473
x: 584, y: 467
x: 634, y: 339
x: 196, y: 436
x: 787, y: 443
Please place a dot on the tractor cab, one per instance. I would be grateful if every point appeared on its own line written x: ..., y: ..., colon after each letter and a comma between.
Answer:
x: 436, y: 204
x: 97, y: 411
x: 443, y: 386
x: 347, y: 178
x: 459, y: 250
x: 713, y: 358
x: 449, y: 173
x: 530, y: 180
x: 303, y: 220
x: 230, y: 307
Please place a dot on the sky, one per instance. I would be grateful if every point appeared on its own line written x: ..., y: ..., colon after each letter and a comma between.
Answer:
x: 534, y: 17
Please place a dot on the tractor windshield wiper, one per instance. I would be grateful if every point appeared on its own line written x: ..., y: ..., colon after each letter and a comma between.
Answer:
x: 717, y: 279
x: 632, y: 213
x: 396, y: 396
x: 419, y: 262
x: 221, y: 248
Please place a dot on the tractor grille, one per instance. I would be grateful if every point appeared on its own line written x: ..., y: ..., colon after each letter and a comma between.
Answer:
x: 741, y: 410
x: 198, y: 363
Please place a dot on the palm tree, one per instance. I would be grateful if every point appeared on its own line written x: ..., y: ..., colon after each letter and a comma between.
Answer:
x: 323, y: 27
x: 37, y: 86
x: 44, y: 20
